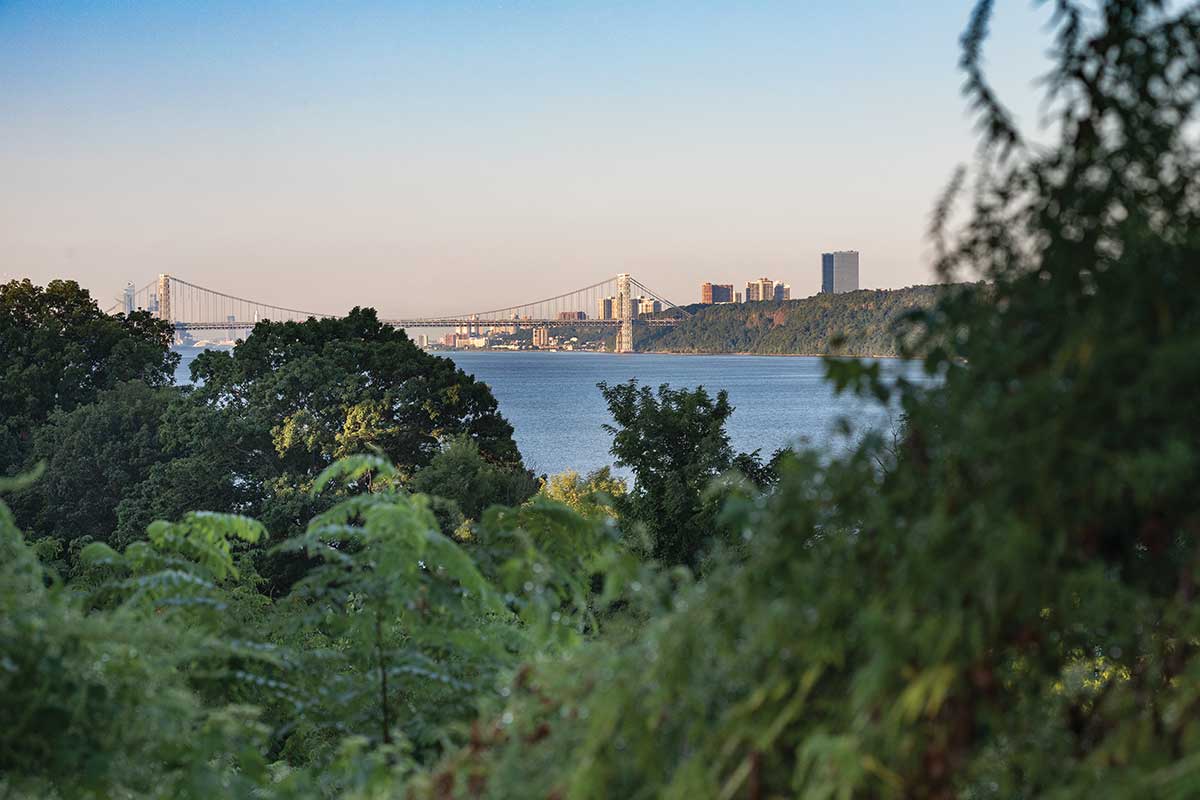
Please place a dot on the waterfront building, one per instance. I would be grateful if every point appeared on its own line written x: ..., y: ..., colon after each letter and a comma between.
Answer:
x: 499, y: 329
x: 541, y: 337
x: 839, y: 272
x: 759, y: 290
x: 711, y: 293
x: 605, y: 308
x: 423, y: 341
x: 646, y: 305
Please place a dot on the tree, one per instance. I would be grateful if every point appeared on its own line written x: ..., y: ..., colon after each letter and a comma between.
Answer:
x: 591, y: 496
x: 267, y: 417
x: 387, y: 586
x: 200, y: 471
x: 94, y: 455
x: 307, y: 393
x: 676, y: 445
x: 58, y: 350
x: 461, y: 474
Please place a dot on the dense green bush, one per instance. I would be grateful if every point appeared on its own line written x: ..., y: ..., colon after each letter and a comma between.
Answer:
x: 461, y: 473
x: 161, y: 670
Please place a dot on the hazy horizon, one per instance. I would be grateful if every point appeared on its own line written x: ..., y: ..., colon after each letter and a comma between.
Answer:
x: 426, y: 158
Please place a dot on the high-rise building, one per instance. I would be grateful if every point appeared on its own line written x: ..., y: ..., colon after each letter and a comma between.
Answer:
x: 472, y: 328
x: 541, y: 337
x: 605, y: 308
x: 571, y: 315
x: 839, y: 272
x: 737, y: 297
x: 761, y: 289
x: 711, y: 293
x: 783, y: 291
x: 646, y: 305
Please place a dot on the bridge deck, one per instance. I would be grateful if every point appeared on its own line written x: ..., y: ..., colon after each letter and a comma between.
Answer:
x: 453, y: 323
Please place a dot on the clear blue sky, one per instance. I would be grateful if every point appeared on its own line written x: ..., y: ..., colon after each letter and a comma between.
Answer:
x: 423, y: 157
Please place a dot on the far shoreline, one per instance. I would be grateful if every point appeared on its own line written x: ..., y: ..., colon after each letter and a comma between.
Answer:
x: 770, y: 355
x: 447, y: 353
x: 678, y: 353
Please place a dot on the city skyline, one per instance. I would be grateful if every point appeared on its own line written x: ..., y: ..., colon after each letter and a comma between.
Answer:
x: 372, y: 155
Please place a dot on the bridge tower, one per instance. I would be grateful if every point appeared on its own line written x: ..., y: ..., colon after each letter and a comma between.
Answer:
x: 164, y: 305
x: 164, y: 297
x: 624, y: 313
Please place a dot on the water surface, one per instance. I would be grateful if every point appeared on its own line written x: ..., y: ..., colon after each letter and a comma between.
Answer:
x: 557, y: 412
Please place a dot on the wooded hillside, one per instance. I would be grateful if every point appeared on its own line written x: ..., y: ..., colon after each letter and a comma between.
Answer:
x: 865, y: 321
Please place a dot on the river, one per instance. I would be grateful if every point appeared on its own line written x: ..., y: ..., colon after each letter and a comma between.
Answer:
x: 557, y: 412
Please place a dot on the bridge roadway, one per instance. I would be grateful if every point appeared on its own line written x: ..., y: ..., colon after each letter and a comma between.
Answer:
x: 456, y: 322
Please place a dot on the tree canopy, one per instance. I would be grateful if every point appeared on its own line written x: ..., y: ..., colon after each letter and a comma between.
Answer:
x: 676, y: 444
x: 310, y: 392
x: 58, y: 350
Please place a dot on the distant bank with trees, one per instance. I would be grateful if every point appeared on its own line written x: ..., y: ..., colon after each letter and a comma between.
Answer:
x: 862, y: 323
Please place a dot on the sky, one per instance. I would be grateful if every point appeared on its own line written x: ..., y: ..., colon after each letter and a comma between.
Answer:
x: 434, y: 157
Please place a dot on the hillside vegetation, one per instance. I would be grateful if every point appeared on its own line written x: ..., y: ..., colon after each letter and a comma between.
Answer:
x: 862, y: 323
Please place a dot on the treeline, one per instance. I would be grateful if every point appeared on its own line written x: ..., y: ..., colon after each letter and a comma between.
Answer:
x: 88, y: 397
x: 862, y: 323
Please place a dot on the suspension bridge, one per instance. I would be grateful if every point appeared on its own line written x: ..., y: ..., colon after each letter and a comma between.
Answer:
x: 616, y: 302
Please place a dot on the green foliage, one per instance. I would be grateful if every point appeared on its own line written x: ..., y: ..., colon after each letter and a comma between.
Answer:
x: 675, y: 443
x: 311, y: 392
x: 58, y: 351
x: 373, y: 664
x: 269, y: 417
x: 98, y: 704
x: 862, y: 323
x: 461, y: 473
x: 94, y: 454
x: 198, y: 472
x: 591, y: 496
x: 388, y: 588
x: 272, y: 414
